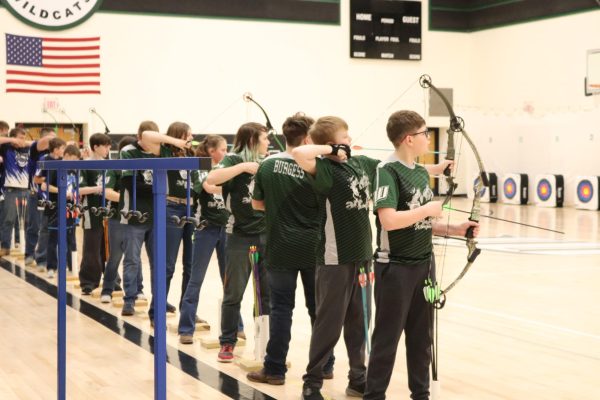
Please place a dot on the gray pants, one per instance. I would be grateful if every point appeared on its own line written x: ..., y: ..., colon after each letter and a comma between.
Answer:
x: 400, y: 306
x: 339, y: 305
x: 237, y: 272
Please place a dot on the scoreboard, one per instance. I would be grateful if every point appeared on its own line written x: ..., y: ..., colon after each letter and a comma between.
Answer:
x: 385, y: 29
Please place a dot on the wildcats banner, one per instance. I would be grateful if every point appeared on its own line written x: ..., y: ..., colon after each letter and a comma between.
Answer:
x: 52, y: 15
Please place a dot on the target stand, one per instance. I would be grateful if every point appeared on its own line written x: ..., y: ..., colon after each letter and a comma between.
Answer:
x: 515, y: 189
x: 586, y: 193
x: 549, y: 190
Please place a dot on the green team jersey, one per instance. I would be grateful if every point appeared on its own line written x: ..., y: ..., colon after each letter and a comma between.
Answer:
x: 210, y: 207
x: 346, y: 230
x: 113, y: 177
x: 292, y: 213
x: 177, y: 180
x: 403, y: 188
x: 144, y: 200
x: 89, y: 178
x: 237, y: 193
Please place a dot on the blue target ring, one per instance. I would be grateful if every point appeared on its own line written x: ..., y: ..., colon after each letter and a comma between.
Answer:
x: 510, y: 188
x: 585, y: 191
x: 544, y: 190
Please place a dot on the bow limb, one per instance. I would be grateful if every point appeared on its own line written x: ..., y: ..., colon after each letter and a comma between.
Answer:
x: 457, y: 126
x: 272, y: 131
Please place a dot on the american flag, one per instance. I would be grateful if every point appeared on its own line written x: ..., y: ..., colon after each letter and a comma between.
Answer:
x: 52, y: 65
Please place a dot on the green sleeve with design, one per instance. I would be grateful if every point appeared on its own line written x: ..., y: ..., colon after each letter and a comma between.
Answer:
x: 386, y: 190
x: 370, y: 167
x: 198, y: 178
x: 111, y: 179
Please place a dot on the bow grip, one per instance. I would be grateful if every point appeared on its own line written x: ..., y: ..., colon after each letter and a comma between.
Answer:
x: 447, y: 171
x: 469, y: 234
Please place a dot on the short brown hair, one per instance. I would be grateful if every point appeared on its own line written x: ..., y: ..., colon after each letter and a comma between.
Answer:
x: 55, y: 143
x: 295, y: 128
x: 46, y: 131
x: 16, y: 131
x: 324, y: 130
x: 147, y: 126
x: 72, y: 150
x: 401, y: 123
x: 99, y: 139
x: 4, y: 126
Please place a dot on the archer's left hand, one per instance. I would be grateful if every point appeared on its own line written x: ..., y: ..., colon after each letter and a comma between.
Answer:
x: 461, y: 229
x: 439, y: 168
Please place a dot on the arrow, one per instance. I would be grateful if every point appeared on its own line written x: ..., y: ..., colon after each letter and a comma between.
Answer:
x: 446, y: 207
x: 358, y: 147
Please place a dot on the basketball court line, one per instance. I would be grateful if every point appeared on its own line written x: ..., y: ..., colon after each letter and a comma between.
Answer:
x: 217, y: 380
x: 527, y: 321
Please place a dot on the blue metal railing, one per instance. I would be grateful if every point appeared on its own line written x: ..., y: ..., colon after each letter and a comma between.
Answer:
x: 159, y: 167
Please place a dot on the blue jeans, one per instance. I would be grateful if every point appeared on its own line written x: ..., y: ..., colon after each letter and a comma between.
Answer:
x: 283, y: 295
x: 42, y: 244
x: 11, y: 197
x: 176, y: 235
x: 205, y: 242
x: 32, y: 225
x: 134, y: 236
x: 116, y: 249
x: 237, y: 273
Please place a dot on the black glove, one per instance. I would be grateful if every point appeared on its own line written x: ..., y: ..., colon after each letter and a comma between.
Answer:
x: 335, y: 148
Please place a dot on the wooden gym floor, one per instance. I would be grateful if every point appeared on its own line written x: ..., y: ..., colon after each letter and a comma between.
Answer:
x: 522, y: 324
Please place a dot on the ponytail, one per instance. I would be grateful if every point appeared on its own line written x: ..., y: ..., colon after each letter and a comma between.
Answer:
x: 209, y: 142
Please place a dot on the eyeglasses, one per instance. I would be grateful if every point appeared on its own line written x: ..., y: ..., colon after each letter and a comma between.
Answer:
x: 426, y: 132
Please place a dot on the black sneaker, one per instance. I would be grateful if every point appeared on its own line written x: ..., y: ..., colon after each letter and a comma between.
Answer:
x: 310, y: 393
x: 354, y: 390
x: 171, y: 308
x: 86, y: 291
x: 128, y: 309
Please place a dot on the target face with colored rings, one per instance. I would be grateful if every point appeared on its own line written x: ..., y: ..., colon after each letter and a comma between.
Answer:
x: 585, y: 191
x: 544, y: 190
x: 510, y: 188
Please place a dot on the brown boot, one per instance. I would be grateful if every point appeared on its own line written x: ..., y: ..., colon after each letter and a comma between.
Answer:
x: 262, y: 377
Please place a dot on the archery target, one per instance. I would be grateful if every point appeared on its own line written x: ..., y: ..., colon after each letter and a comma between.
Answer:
x: 510, y: 188
x: 586, y: 195
x: 490, y: 194
x: 549, y: 190
x: 515, y: 188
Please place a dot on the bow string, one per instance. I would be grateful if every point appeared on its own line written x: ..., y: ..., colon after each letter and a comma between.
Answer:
x: 457, y: 125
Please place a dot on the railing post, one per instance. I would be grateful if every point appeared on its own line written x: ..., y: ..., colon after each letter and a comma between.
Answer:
x: 159, y: 215
x: 62, y: 280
